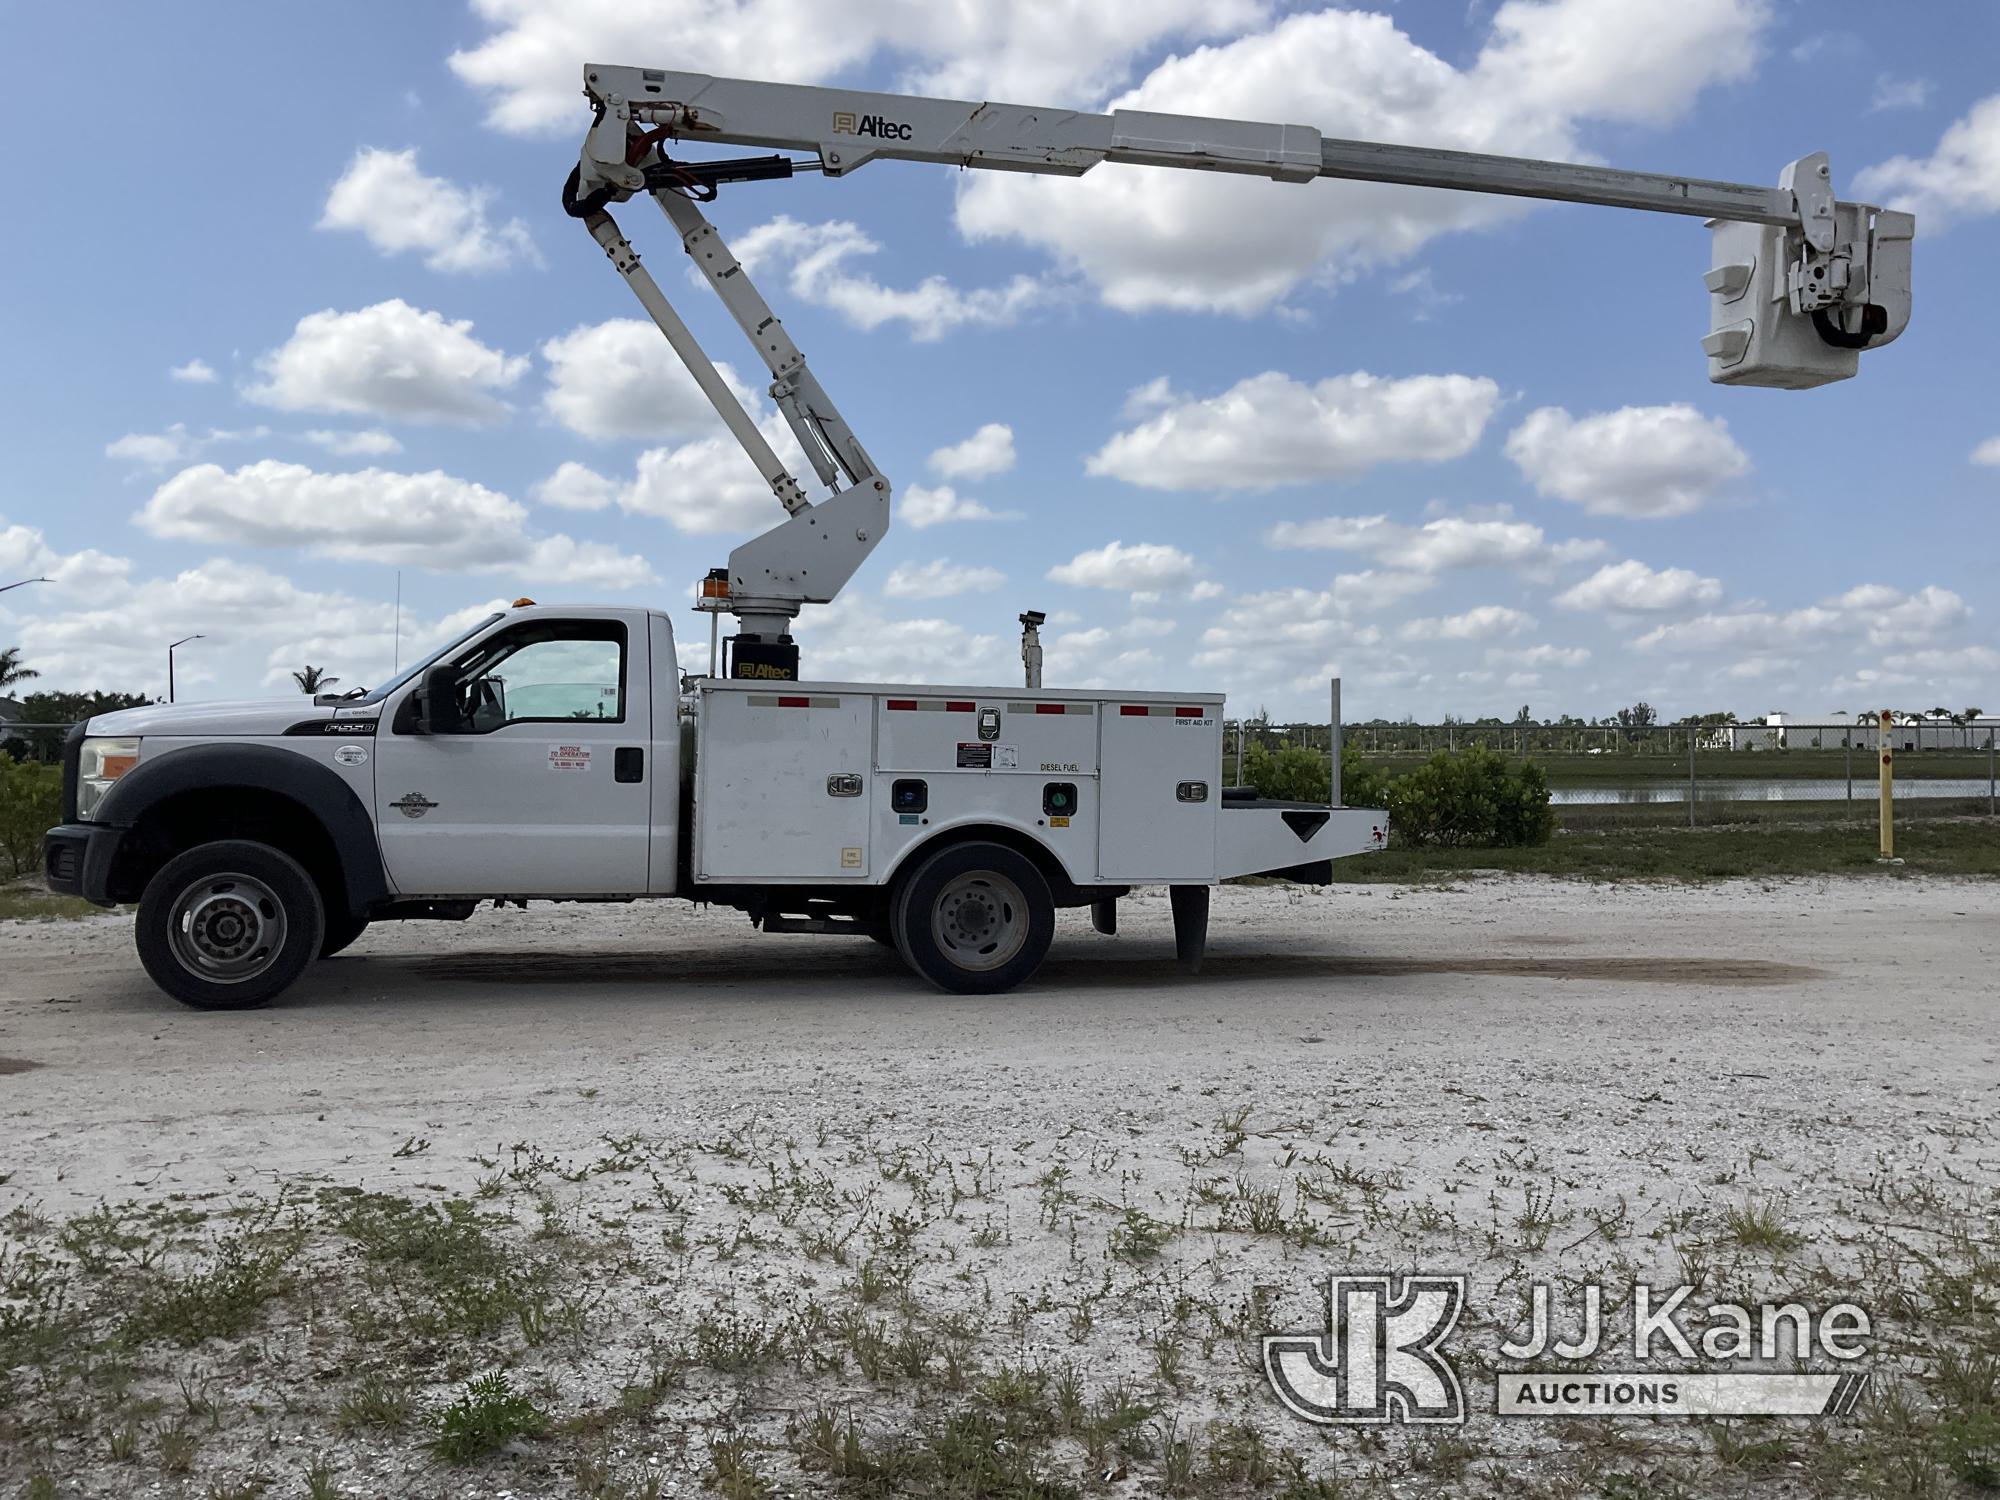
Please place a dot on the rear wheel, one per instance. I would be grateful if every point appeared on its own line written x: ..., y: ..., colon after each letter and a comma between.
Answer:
x: 229, y: 925
x: 974, y: 919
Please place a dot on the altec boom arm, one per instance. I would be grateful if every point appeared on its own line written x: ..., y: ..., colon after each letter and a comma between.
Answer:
x: 1801, y: 282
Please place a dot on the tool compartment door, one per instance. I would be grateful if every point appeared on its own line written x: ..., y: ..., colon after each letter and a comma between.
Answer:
x: 1146, y: 831
x: 766, y: 772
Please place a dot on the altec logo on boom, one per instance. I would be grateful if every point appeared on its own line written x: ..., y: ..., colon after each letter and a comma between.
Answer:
x: 846, y: 122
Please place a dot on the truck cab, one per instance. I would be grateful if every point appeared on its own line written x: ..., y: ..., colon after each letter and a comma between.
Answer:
x: 556, y: 753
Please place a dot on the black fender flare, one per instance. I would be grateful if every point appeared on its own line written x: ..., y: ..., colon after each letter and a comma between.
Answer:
x: 261, y: 768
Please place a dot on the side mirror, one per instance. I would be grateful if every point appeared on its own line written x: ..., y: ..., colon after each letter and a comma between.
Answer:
x: 438, y: 710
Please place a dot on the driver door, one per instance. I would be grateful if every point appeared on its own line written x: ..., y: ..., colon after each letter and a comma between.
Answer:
x: 545, y: 791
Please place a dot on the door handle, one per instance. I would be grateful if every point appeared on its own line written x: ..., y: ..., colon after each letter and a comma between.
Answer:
x: 628, y: 763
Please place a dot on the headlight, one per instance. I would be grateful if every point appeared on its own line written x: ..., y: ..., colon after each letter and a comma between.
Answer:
x: 104, y: 761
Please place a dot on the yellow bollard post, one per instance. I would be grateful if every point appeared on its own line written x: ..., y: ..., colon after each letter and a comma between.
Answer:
x: 1886, y: 744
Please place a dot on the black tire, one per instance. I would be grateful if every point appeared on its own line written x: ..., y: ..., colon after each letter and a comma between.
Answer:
x: 340, y: 934
x: 974, y: 919
x: 229, y: 925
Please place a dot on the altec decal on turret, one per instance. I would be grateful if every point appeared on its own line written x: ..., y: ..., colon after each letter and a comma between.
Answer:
x: 846, y: 122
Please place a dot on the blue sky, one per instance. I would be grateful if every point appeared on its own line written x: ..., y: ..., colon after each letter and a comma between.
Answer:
x: 292, y: 307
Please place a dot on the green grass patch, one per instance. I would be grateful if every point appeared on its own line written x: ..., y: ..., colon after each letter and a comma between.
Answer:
x: 30, y: 901
x: 1643, y: 852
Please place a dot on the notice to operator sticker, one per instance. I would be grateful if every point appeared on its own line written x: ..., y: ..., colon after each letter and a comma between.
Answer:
x: 569, y: 757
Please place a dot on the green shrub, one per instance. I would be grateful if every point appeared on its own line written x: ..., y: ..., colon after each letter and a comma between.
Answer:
x: 1293, y: 773
x: 490, y: 1415
x: 30, y: 805
x: 1471, y: 799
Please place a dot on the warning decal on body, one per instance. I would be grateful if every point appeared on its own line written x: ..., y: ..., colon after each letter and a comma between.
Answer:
x: 975, y: 757
x: 569, y: 757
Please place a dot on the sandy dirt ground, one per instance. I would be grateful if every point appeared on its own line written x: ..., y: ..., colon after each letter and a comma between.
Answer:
x: 1504, y: 1078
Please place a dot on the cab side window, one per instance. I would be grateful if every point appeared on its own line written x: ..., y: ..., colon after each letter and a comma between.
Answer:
x: 549, y: 672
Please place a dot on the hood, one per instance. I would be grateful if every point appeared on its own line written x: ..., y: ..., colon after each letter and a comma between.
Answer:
x: 254, y: 717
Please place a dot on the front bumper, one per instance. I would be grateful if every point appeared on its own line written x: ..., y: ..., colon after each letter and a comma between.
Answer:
x: 77, y: 860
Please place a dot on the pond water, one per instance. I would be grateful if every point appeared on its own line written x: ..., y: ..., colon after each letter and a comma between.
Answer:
x: 1756, y: 789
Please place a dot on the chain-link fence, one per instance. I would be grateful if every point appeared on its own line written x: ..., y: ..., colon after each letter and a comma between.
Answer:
x: 1700, y: 773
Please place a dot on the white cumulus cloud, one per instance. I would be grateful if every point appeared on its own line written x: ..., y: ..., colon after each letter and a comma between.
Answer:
x: 430, y: 520
x: 389, y: 360
x: 194, y: 372
x: 940, y: 579
x: 852, y: 640
x: 1900, y: 93
x: 1271, y: 429
x: 923, y: 505
x: 388, y: 199
x: 622, y: 379
x: 1441, y: 543
x: 176, y: 445
x: 366, y: 441
x: 1876, y: 613
x: 25, y: 552
x: 1639, y: 461
x: 708, y: 487
x: 1543, y: 655
x: 1151, y: 238
x: 1482, y: 622
x: 1632, y: 586
x: 1054, y: 52
x: 987, y: 452
x: 819, y: 259
x: 1143, y: 567
x: 1960, y: 180
x: 575, y: 486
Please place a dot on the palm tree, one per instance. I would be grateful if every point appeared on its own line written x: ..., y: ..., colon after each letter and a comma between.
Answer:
x: 312, y: 679
x: 11, y: 670
x: 1973, y: 713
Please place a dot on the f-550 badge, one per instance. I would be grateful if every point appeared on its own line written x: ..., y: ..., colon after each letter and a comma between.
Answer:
x: 413, y: 804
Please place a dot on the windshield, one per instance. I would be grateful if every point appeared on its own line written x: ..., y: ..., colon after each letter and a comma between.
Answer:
x: 409, y: 673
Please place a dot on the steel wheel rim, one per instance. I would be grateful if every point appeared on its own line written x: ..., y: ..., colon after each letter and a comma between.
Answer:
x: 980, y: 920
x: 227, y: 928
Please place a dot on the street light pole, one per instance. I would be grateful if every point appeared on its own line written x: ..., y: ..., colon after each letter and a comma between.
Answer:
x: 170, y: 661
x: 23, y: 583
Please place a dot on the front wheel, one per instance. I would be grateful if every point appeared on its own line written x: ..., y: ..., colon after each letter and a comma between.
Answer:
x: 229, y: 925
x: 974, y: 919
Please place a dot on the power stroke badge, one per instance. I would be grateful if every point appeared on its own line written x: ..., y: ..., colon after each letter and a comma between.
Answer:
x: 413, y: 804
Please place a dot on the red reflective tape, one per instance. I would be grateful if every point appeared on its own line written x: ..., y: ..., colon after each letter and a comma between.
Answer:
x: 957, y: 707
x: 902, y: 703
x: 1051, y: 708
x: 1132, y: 710
x: 1190, y: 713
x: 795, y: 703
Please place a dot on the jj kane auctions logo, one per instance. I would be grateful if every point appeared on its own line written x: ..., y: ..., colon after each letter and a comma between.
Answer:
x: 1382, y: 1357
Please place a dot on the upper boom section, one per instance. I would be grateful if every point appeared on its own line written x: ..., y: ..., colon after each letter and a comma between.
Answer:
x: 849, y: 127
x: 1800, y: 281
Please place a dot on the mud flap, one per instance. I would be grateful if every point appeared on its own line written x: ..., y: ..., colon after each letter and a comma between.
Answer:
x: 1190, y: 905
x: 1104, y: 916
